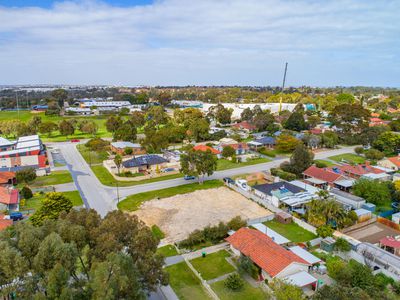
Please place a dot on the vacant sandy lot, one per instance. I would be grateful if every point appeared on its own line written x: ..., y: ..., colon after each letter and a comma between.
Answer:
x: 180, y: 215
x: 372, y: 233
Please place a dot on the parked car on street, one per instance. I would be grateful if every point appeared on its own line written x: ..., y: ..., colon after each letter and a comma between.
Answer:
x: 168, y: 170
x: 15, y: 216
x: 188, y: 177
x: 75, y: 141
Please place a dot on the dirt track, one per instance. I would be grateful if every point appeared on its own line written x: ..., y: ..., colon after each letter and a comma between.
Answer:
x: 179, y: 215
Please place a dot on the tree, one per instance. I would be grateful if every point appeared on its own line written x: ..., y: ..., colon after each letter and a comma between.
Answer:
x: 285, y: 291
x: 325, y: 231
x: 198, y: 130
x: 228, y: 151
x: 164, y: 98
x: 342, y: 245
x: 47, y: 128
x: 52, y: 205
x: 313, y: 121
x: 118, y: 161
x: 97, y: 144
x: 198, y: 163
x: 350, y: 119
x: 301, y: 159
x: 81, y: 256
x: 126, y: 132
x: 155, y: 140
x: 60, y: 95
x: 247, y: 114
x: 137, y: 119
x: 395, y: 125
x: 345, y: 98
x: 340, y: 292
x: 370, y: 134
x: 89, y: 127
x: 113, y: 123
x: 286, y: 143
x: 234, y: 282
x: 263, y: 120
x: 25, y: 175
x: 26, y: 192
x: 388, y: 142
x: 66, y: 128
x: 329, y: 139
x: 374, y: 154
x: 157, y: 115
x: 221, y: 114
x: 372, y: 191
x: 34, y: 124
x: 296, y: 121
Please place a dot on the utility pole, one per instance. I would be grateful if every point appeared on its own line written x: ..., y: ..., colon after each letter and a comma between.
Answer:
x: 283, y: 86
x: 16, y: 97
x: 116, y: 182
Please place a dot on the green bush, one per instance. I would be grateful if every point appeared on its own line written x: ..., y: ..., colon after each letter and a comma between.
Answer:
x: 359, y: 150
x: 234, y: 282
x: 325, y: 231
x: 320, y: 164
x: 26, y: 193
x: 282, y: 174
x: 342, y: 245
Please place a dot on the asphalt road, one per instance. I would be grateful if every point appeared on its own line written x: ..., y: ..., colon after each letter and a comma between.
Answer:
x: 104, y: 198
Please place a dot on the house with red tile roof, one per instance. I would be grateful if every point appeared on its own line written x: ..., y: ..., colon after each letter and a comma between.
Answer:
x: 357, y: 171
x: 205, y: 148
x: 240, y: 148
x: 7, y: 178
x: 322, y: 177
x: 390, y: 244
x: 245, y: 126
x: 392, y: 163
x: 273, y: 260
x: 9, y: 198
x: 377, y: 122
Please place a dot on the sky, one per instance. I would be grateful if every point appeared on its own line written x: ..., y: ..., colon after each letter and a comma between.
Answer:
x: 203, y: 42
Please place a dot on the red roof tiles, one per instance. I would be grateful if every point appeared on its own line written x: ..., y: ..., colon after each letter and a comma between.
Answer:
x: 359, y: 170
x: 245, y: 125
x: 390, y: 242
x: 395, y: 160
x: 263, y: 251
x: 6, y: 176
x: 8, y: 195
x: 322, y: 174
x: 205, y: 148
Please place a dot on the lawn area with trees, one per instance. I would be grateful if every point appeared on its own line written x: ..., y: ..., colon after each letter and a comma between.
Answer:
x: 133, y: 202
x: 291, y: 231
x: 225, y: 164
x: 213, y: 265
x: 185, y: 283
x: 36, y: 201
x: 90, y: 156
x: 245, y: 292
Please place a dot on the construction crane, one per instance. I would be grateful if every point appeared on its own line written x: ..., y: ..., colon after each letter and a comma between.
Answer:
x: 283, y: 86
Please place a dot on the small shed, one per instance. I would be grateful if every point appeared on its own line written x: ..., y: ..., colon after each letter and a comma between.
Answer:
x: 369, y: 206
x: 328, y: 244
x: 283, y: 217
x: 363, y: 215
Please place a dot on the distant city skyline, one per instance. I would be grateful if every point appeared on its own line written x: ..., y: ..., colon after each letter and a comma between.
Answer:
x: 174, y: 42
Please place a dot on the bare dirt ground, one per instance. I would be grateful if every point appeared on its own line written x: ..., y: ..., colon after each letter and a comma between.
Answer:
x: 372, y: 233
x: 180, y: 215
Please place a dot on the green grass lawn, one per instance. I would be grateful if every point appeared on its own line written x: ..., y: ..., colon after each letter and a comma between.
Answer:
x: 107, y: 179
x: 185, y: 284
x: 133, y: 202
x: 157, y: 232
x: 92, y: 157
x: 36, y: 202
x: 213, y: 265
x: 55, y: 177
x: 291, y: 231
x: 25, y: 116
x: 247, y: 292
x: 326, y: 162
x: 168, y: 250
x: 225, y: 164
x: 348, y: 157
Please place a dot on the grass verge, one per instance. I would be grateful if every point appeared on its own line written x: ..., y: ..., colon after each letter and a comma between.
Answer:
x: 56, y: 177
x: 291, y: 231
x: 133, y: 202
x: 168, y: 250
x: 185, y: 284
x: 92, y: 157
x: 225, y: 164
x: 213, y: 265
x: 107, y: 179
x: 349, y: 158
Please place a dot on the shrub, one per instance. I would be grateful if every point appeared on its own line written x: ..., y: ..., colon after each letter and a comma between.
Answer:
x: 128, y: 151
x: 97, y: 144
x: 26, y: 175
x: 359, y: 150
x: 325, y: 231
x: 236, y: 223
x: 342, y: 245
x: 320, y: 164
x: 374, y: 154
x: 245, y: 265
x: 282, y: 174
x: 26, y: 193
x: 234, y: 282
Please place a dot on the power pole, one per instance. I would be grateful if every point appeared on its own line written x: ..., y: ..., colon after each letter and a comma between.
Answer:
x: 283, y: 86
x: 16, y: 97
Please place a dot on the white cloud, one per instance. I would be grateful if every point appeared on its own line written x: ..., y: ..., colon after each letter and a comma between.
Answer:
x: 202, y: 42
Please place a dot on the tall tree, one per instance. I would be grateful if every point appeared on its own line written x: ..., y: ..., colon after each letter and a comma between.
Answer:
x: 301, y: 159
x: 198, y: 163
x: 60, y: 95
x: 66, y: 128
x: 118, y: 161
x: 52, y: 205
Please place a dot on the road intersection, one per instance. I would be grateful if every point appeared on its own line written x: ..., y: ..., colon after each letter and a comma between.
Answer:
x: 104, y: 198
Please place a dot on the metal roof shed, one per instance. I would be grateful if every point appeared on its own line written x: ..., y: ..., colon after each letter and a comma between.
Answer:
x: 301, y: 279
x: 304, y: 254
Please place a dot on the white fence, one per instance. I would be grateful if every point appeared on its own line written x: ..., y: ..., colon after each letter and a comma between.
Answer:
x: 305, y: 225
x: 203, y: 282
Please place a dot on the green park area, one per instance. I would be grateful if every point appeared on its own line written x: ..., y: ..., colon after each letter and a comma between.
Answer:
x: 247, y: 292
x: 185, y: 283
x: 36, y: 201
x: 291, y: 231
x: 167, y: 251
x: 324, y: 162
x: 55, y: 177
x: 213, y: 265
x: 133, y: 202
x: 107, y: 179
x: 92, y: 157
x: 25, y: 116
x: 225, y: 164
x: 350, y: 158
